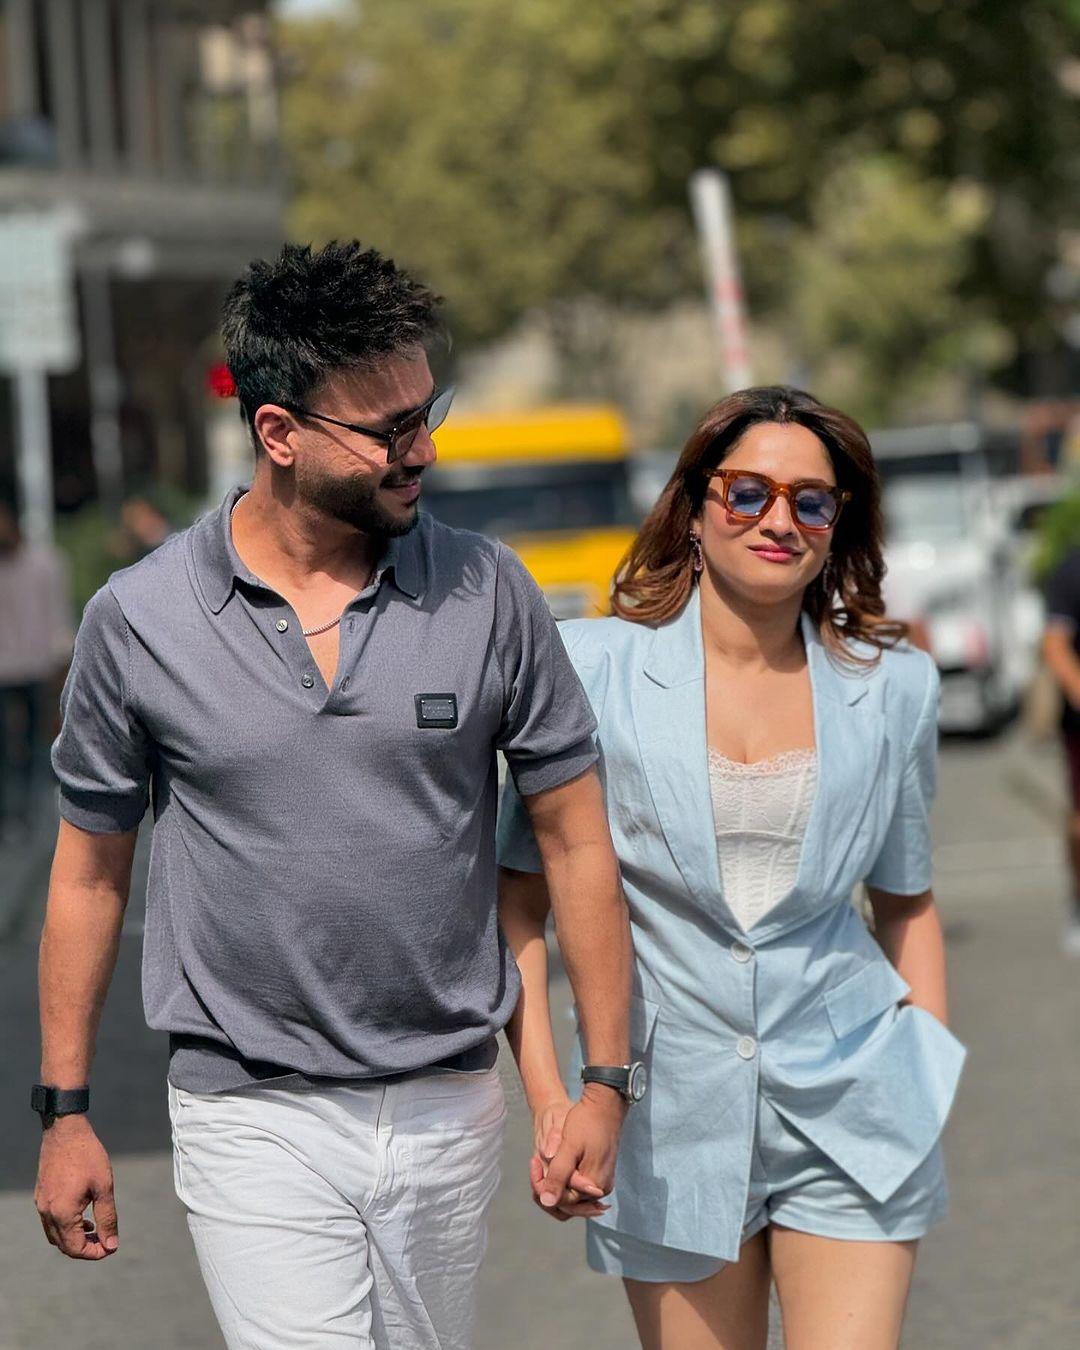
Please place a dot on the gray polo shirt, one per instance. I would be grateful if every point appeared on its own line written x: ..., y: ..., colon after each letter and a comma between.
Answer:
x: 321, y: 898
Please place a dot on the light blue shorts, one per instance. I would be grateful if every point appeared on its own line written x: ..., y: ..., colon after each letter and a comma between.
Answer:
x: 795, y: 1185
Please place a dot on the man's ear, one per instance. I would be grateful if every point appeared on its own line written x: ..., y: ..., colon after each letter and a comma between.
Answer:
x: 276, y: 429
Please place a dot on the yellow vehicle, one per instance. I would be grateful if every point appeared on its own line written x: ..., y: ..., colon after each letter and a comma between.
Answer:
x: 552, y: 484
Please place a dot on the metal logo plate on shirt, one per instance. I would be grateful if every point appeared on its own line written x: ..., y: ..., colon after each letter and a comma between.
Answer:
x: 436, y: 710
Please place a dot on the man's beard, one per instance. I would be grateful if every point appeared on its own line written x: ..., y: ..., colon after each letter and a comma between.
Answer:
x: 354, y: 500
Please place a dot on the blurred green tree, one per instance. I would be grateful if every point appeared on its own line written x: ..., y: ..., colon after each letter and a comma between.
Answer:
x: 1058, y: 533
x: 504, y: 150
x: 524, y: 155
x: 876, y: 297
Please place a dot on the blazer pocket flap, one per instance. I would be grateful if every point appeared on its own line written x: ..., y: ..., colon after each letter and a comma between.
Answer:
x: 863, y: 996
x: 643, y: 1014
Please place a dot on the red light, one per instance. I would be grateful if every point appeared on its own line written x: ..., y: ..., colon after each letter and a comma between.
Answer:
x: 220, y: 382
x: 976, y: 646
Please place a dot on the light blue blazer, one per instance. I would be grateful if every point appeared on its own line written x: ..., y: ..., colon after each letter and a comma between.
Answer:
x: 803, y: 1007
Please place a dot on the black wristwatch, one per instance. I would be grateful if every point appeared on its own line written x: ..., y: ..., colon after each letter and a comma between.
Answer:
x: 50, y: 1102
x: 629, y: 1080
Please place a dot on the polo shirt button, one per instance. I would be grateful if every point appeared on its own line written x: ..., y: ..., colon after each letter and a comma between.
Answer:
x: 345, y: 682
x: 746, y: 1048
x: 282, y: 625
x: 741, y: 952
x: 308, y: 681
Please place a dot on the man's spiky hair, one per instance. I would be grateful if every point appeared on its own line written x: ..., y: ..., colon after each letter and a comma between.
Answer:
x: 291, y: 323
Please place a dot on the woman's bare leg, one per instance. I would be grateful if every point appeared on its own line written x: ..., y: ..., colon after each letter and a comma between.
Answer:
x: 728, y: 1311
x: 840, y: 1295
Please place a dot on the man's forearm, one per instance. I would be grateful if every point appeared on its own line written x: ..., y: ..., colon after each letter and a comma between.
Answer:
x: 78, y: 955
x: 1063, y: 662
x: 79, y: 945
x: 593, y: 931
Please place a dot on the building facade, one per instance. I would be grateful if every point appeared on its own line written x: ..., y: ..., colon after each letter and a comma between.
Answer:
x: 152, y: 126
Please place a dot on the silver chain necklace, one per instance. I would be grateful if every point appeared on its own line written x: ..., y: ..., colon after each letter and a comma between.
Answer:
x: 325, y: 628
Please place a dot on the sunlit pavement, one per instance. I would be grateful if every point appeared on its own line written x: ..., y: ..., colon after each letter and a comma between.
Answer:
x: 1002, y: 1272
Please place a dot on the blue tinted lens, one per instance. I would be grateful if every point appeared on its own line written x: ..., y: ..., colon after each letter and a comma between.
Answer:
x: 815, y: 507
x: 747, y: 496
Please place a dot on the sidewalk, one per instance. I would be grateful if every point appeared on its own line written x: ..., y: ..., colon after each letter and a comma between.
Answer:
x: 1035, y: 771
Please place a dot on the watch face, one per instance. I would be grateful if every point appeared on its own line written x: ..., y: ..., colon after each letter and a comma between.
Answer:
x: 639, y: 1081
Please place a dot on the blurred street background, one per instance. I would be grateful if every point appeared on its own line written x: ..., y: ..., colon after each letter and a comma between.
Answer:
x: 631, y: 209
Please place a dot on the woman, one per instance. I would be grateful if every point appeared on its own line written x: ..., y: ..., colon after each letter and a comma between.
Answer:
x: 766, y: 746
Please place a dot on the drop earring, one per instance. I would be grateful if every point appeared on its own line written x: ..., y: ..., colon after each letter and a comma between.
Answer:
x: 695, y: 546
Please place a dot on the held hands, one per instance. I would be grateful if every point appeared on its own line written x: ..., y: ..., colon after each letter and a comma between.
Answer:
x: 576, y: 1145
x: 74, y: 1172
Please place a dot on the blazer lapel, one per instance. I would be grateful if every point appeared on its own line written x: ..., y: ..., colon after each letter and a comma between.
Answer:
x: 668, y: 700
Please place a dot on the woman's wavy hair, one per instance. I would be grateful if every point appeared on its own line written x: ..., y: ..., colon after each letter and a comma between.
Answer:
x: 656, y: 577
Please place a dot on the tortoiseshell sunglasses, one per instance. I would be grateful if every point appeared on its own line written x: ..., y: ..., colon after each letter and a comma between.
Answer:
x: 749, y: 496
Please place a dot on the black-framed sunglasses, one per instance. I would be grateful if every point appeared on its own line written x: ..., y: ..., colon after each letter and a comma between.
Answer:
x: 399, y: 439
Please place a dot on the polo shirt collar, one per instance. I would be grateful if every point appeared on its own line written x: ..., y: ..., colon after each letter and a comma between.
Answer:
x: 218, y: 565
x: 403, y: 561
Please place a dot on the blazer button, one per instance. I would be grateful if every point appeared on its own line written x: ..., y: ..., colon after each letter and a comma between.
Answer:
x: 746, y: 1047
x: 741, y: 952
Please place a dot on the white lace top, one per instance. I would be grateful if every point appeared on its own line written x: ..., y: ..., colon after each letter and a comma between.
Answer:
x: 761, y: 812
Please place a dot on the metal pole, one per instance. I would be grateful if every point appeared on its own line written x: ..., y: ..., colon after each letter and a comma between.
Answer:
x: 34, y: 454
x: 710, y: 199
x: 166, y: 36
x: 67, y: 73
x: 102, y: 85
x: 136, y: 102
x: 100, y: 340
x: 21, y: 67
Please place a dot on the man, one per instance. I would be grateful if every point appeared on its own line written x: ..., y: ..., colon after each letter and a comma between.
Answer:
x: 311, y: 684
x: 35, y: 646
x: 1061, y: 651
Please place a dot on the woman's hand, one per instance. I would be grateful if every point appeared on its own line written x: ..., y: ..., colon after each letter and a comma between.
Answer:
x: 581, y: 1198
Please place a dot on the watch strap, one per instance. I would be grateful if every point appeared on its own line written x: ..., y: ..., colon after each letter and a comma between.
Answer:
x: 52, y: 1102
x: 612, y: 1076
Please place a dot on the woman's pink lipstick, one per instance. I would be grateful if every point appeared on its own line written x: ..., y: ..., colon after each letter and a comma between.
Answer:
x: 774, y: 553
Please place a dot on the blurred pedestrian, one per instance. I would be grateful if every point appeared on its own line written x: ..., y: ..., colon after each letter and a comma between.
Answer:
x: 768, y: 744
x: 145, y: 527
x: 35, y: 644
x: 1061, y: 651
x: 312, y: 683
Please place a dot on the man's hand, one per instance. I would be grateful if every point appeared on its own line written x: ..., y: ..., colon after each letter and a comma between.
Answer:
x: 578, y: 1159
x: 73, y: 1173
x: 581, y: 1198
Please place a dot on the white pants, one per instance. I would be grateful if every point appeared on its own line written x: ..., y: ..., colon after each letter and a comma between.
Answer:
x: 350, y: 1218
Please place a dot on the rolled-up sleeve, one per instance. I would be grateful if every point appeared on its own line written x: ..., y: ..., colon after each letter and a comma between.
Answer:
x: 102, y: 756
x: 547, y: 724
x: 904, y: 863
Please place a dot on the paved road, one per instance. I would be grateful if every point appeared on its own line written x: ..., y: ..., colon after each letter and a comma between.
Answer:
x: 1000, y: 1275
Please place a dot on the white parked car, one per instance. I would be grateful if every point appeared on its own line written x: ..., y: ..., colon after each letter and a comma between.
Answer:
x: 957, y: 565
